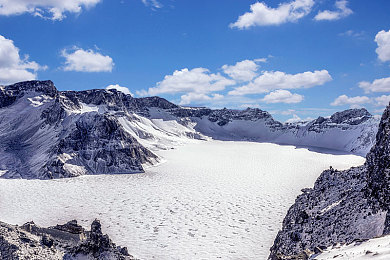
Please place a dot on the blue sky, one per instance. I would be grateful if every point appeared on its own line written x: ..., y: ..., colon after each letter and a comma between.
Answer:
x: 295, y: 59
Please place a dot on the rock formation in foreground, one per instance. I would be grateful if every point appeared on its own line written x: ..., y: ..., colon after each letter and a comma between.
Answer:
x: 342, y: 207
x: 66, y: 242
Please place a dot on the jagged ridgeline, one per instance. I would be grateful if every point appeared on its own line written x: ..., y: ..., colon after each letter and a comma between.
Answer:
x: 343, y: 206
x: 46, y: 133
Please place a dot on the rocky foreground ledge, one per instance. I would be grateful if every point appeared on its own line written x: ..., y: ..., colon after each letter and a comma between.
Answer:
x: 68, y: 241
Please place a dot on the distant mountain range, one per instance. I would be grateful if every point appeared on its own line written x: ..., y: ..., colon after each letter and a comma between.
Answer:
x: 46, y: 133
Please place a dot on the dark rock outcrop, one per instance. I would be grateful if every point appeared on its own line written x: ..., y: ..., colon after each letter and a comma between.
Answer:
x: 66, y: 242
x: 343, y: 206
x: 378, y: 163
x: 99, y: 145
x: 351, y: 116
x: 99, y: 246
x: 224, y: 116
x: 9, y: 94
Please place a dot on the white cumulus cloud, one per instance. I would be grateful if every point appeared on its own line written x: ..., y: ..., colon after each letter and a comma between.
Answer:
x: 198, y: 80
x: 341, y: 12
x: 378, y: 85
x: 86, y: 61
x: 294, y: 119
x: 351, y: 101
x: 262, y: 15
x: 120, y: 88
x: 383, y: 40
x: 52, y: 9
x: 244, y: 70
x: 14, y: 68
x: 272, y: 80
x: 382, y: 100
x: 282, y: 96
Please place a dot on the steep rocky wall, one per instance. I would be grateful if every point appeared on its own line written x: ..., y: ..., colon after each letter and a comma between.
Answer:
x: 46, y: 134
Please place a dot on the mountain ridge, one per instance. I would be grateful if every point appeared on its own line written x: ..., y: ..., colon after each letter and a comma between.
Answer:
x: 46, y: 133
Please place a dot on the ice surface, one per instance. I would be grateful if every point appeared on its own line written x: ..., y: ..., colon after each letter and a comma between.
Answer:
x: 209, y: 200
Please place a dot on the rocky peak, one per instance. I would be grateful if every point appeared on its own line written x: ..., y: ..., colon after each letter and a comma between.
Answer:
x: 155, y: 102
x: 351, y: 116
x: 114, y: 100
x: 319, y: 120
x: 224, y: 116
x: 9, y: 94
x: 46, y: 87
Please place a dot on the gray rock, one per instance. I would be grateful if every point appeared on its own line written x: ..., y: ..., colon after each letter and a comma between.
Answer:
x: 69, y: 241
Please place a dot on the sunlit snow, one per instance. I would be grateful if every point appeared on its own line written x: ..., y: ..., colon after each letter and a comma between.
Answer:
x: 376, y: 248
x: 209, y: 200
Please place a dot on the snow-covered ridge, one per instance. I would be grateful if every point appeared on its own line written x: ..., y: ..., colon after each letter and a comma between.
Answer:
x: 46, y: 133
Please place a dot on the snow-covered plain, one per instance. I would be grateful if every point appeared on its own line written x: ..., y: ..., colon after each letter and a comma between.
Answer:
x: 209, y: 200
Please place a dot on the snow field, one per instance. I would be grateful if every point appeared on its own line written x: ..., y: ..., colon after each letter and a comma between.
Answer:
x: 209, y: 200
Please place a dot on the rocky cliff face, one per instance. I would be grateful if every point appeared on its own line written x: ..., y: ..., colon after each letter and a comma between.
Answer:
x: 66, y: 242
x: 97, y: 144
x: 45, y: 133
x: 378, y: 165
x: 343, y: 206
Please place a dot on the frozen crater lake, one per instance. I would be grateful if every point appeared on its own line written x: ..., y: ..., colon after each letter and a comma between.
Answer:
x: 209, y: 200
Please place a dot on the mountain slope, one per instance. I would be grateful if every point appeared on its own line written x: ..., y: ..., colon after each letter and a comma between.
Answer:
x: 45, y: 134
x: 343, y: 206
